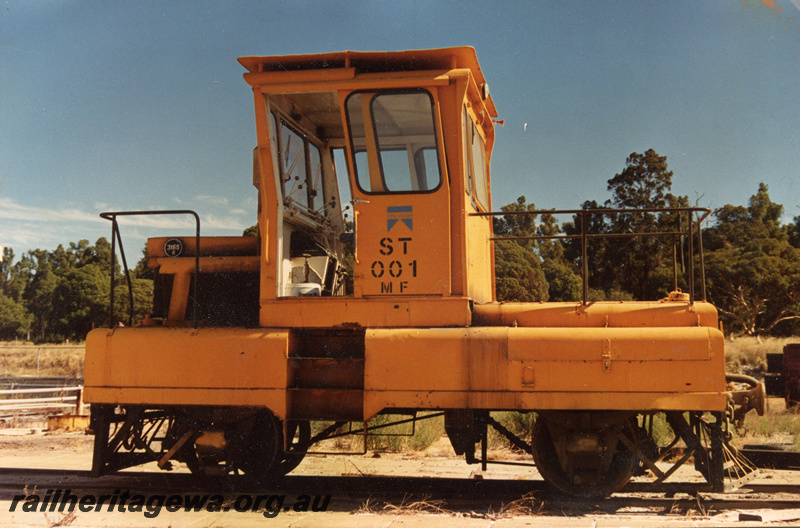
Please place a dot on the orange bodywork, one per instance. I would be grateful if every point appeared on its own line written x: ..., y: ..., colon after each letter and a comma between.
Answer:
x: 516, y: 368
x: 597, y: 314
x: 422, y: 308
x: 209, y: 366
x: 545, y: 368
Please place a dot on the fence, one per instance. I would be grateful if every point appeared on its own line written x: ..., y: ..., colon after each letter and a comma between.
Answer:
x: 31, y: 396
x: 35, y: 401
x: 17, y: 360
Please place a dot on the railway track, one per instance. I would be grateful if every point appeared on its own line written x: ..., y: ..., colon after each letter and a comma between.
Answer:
x: 446, y: 495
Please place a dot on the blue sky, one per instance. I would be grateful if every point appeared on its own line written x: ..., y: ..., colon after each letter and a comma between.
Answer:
x: 141, y: 105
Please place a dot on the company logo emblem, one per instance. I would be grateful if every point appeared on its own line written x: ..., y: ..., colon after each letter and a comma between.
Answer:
x: 173, y: 247
x: 399, y: 213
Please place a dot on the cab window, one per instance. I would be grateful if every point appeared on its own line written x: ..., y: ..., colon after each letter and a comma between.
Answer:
x: 400, y: 127
x: 476, y: 153
x: 300, y: 164
x: 466, y: 131
x: 293, y: 165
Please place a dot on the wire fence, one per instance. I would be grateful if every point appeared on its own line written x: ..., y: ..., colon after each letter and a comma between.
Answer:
x: 41, y: 360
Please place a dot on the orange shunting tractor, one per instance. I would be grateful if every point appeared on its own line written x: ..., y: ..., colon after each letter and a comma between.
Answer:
x: 261, y: 347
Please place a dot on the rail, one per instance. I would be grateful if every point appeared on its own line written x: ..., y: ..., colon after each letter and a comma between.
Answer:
x: 115, y: 236
x: 693, y: 227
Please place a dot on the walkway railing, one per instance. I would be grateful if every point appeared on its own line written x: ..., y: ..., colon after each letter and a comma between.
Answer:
x: 692, y: 229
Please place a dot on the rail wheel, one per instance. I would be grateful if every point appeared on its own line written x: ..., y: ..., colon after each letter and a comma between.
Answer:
x: 580, y: 453
x: 217, y: 442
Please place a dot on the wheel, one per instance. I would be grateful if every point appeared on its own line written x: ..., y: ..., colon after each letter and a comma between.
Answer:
x: 580, y: 465
x: 251, y: 444
x: 255, y: 445
x: 248, y: 443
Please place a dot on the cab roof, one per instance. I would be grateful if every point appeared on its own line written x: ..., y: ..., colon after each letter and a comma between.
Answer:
x: 375, y: 62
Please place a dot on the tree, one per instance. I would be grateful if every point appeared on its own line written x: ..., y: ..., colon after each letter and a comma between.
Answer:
x: 5, y: 265
x: 518, y: 270
x: 753, y: 271
x: 15, y: 320
x: 48, y: 284
x: 14, y: 277
x: 517, y: 225
x: 142, y: 270
x: 563, y: 278
x: 64, y: 293
x: 518, y: 275
x: 644, y: 183
x: 563, y: 283
x: 39, y: 296
x: 599, y: 264
x: 793, y: 232
x: 80, y: 302
x: 142, y: 300
x: 641, y: 265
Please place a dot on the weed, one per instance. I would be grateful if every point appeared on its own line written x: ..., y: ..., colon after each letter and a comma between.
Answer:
x: 368, y: 506
x: 660, y: 430
x: 527, y: 505
x: 424, y: 505
x: 406, y: 506
x: 382, y: 435
x: 397, y: 438
x: 518, y: 423
x: 65, y: 519
x: 774, y: 422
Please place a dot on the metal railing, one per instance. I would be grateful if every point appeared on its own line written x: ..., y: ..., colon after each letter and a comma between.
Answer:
x: 693, y: 228
x: 42, y: 399
x: 115, y: 236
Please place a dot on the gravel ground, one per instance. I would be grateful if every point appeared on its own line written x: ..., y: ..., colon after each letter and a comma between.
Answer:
x: 19, y: 448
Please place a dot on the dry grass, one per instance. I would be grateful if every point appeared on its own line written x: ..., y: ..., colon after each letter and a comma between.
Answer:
x: 779, y: 425
x: 399, y: 439
x: 407, y: 506
x: 387, y: 439
x: 526, y: 506
x: 748, y: 355
x: 64, y: 519
x: 51, y: 360
x: 396, y: 438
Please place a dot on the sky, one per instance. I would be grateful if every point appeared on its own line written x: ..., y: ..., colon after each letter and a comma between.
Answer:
x: 141, y: 105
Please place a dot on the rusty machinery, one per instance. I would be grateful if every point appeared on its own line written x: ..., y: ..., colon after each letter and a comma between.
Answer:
x: 253, y: 339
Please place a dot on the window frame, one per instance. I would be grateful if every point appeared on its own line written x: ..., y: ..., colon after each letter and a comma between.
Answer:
x: 279, y: 121
x: 437, y: 142
x: 478, y: 197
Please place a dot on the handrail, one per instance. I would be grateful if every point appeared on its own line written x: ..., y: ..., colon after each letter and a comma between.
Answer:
x: 115, y: 235
x: 584, y: 236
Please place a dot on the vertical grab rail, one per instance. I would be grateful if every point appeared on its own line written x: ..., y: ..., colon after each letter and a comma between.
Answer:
x: 691, y: 257
x: 115, y: 235
x: 584, y: 260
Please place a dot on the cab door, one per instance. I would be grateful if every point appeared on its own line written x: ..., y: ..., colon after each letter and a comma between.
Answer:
x: 400, y: 194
